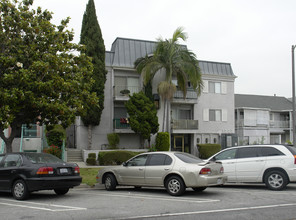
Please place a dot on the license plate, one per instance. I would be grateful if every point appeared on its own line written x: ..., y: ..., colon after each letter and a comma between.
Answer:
x: 63, y: 170
x: 219, y: 181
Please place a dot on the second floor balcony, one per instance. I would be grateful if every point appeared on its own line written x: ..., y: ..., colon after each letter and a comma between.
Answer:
x: 123, y: 90
x: 185, y: 124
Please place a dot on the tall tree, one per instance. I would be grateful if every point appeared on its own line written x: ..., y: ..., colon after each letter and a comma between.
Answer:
x: 41, y: 79
x: 91, y: 37
x: 173, y: 60
x: 143, y: 115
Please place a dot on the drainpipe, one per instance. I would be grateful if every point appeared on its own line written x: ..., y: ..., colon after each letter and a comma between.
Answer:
x: 293, y: 96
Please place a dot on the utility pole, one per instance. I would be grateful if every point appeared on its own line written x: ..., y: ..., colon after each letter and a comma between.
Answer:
x: 293, y: 95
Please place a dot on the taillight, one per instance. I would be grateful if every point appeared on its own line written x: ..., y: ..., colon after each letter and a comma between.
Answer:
x: 222, y: 170
x: 294, y: 159
x: 45, y: 170
x: 77, y: 170
x: 205, y: 171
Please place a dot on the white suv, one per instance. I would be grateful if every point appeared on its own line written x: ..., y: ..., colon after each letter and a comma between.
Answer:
x: 274, y: 165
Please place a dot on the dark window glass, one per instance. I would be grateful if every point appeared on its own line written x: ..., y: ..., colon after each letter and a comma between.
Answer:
x: 188, y: 158
x: 291, y: 149
x: 138, y: 161
x: 12, y: 160
x: 226, y: 155
x: 157, y: 159
x: 270, y: 151
x: 248, y: 152
x: 42, y: 158
x: 168, y: 160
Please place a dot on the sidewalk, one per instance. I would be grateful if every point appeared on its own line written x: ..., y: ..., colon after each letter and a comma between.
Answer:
x: 84, y: 165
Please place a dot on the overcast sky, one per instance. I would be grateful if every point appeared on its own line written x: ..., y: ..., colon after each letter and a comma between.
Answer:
x: 255, y: 36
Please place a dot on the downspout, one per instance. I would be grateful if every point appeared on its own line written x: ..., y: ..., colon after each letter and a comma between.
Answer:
x: 22, y: 136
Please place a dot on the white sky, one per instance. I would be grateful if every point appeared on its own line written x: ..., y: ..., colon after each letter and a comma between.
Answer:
x: 255, y: 36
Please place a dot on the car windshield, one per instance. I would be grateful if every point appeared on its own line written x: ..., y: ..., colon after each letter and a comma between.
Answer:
x: 188, y: 158
x: 43, y: 158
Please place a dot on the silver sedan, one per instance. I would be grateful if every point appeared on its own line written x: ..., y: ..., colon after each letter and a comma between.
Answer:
x: 175, y: 171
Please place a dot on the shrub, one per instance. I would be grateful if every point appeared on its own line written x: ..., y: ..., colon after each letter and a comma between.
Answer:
x: 113, y: 140
x: 207, y: 150
x: 55, y: 135
x: 54, y: 150
x: 162, y: 142
x: 91, y: 160
x: 115, y: 157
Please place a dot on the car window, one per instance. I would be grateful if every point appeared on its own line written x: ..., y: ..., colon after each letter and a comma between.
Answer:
x: 226, y: 155
x: 12, y: 160
x: 138, y: 161
x: 159, y: 160
x: 188, y: 158
x: 248, y: 152
x: 291, y: 149
x: 1, y: 157
x: 270, y: 151
x: 42, y: 158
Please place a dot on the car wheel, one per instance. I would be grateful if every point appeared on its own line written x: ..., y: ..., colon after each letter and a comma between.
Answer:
x: 276, y: 180
x: 61, y: 191
x: 110, y: 182
x: 20, y: 190
x: 199, y: 189
x: 175, y: 186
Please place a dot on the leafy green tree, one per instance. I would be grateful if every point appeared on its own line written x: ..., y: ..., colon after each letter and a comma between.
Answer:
x: 44, y: 78
x: 177, y: 61
x: 91, y: 37
x: 142, y: 115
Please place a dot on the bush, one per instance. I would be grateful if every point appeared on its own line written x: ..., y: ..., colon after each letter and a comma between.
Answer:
x: 55, y: 135
x: 91, y: 160
x: 115, y: 157
x: 207, y: 150
x: 113, y: 140
x: 162, y: 142
x: 54, y: 150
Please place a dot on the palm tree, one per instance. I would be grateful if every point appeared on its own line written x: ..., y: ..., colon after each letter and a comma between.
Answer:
x: 173, y: 60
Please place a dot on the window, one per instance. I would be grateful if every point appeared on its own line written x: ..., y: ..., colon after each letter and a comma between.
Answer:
x: 138, y: 161
x: 126, y: 83
x: 159, y: 159
x: 270, y: 151
x: 215, y: 115
x: 226, y: 155
x: 188, y: 158
x: 12, y: 160
x: 215, y: 87
x: 248, y: 152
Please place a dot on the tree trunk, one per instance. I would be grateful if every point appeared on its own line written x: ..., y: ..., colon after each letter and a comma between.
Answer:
x: 164, y: 116
x: 89, y: 137
x: 8, y: 140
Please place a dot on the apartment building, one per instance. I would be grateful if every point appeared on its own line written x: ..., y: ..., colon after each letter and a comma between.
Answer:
x: 203, y: 119
x: 263, y: 119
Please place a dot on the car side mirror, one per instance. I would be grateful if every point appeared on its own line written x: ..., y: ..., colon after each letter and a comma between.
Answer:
x: 124, y: 164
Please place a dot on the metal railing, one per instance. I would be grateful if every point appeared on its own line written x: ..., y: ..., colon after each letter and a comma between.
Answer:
x: 121, y: 123
x: 189, y: 95
x: 185, y: 124
x: 121, y: 90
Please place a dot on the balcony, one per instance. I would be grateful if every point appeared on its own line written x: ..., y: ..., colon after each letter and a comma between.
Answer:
x: 279, y: 124
x: 122, y: 90
x: 185, y: 124
x: 121, y: 123
x: 191, y: 94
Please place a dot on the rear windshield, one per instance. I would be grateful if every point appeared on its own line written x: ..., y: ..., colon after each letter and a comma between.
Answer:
x: 43, y: 158
x: 291, y: 149
x: 188, y: 158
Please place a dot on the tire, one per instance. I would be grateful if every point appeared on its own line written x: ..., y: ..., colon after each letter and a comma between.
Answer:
x: 175, y: 186
x: 199, y: 189
x: 20, y: 190
x: 61, y: 191
x: 110, y: 182
x: 276, y: 180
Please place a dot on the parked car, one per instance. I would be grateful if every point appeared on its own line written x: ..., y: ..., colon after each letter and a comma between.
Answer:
x: 23, y: 173
x: 274, y: 165
x: 174, y: 170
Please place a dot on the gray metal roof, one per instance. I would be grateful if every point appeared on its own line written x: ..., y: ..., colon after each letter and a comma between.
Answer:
x: 275, y: 103
x: 124, y: 53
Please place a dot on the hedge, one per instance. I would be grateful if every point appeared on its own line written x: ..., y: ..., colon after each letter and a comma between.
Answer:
x: 116, y: 157
x: 162, y: 142
x: 207, y: 150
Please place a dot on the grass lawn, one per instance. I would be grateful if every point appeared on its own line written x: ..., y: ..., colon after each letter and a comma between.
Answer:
x: 89, y: 175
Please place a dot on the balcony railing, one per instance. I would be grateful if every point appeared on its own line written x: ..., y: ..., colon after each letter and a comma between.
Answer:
x: 279, y: 124
x: 189, y: 95
x: 121, y: 123
x: 121, y: 90
x: 185, y: 124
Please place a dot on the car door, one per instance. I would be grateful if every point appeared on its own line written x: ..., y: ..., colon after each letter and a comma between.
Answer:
x: 227, y: 157
x: 157, y: 167
x: 132, y: 173
x: 8, y: 169
x: 249, y: 164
